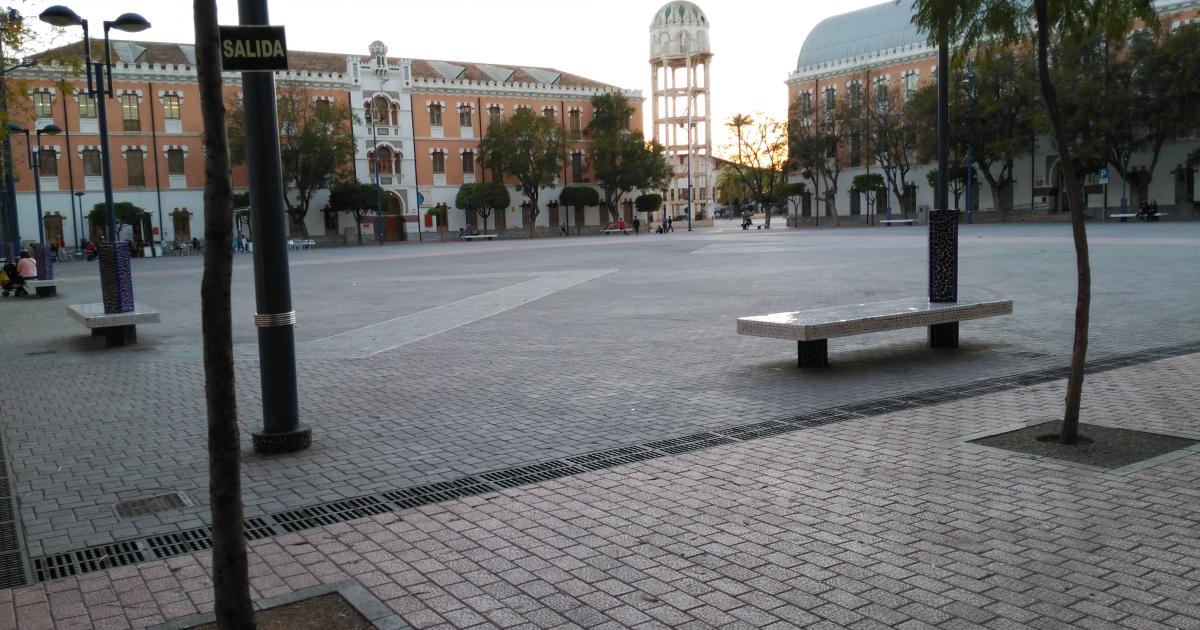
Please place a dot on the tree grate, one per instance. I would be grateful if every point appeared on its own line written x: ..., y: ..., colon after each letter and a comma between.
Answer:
x: 257, y: 528
x: 522, y: 475
x: 613, y: 457
x: 88, y: 560
x: 12, y: 570
x: 757, y: 430
x: 436, y: 492
x: 180, y: 543
x: 689, y: 443
x: 330, y: 513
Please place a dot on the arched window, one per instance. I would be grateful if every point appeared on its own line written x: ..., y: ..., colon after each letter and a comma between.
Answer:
x: 381, y: 111
x: 386, y: 161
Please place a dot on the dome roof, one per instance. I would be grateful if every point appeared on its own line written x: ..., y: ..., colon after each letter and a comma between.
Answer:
x: 873, y: 29
x: 679, y: 12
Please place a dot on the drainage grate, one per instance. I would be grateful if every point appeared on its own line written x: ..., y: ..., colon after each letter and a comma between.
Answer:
x: 256, y: 528
x: 689, y: 443
x: 437, y: 492
x: 330, y: 513
x: 613, y: 457
x: 180, y: 543
x: 40, y: 353
x: 87, y: 560
x: 522, y: 475
x: 757, y: 430
x: 12, y: 570
x: 152, y: 505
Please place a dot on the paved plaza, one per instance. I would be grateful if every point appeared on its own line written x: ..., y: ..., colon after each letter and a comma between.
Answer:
x: 427, y: 363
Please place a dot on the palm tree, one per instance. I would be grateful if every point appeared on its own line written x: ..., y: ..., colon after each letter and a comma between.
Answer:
x: 1004, y: 22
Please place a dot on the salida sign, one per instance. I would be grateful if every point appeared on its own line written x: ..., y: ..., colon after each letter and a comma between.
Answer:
x: 250, y: 48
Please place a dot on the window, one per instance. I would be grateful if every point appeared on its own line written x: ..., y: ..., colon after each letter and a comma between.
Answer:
x: 435, y: 115
x: 831, y: 148
x: 464, y: 116
x: 175, y: 161
x: 806, y: 104
x: 494, y: 113
x: 379, y: 113
x: 855, y: 97
x: 881, y: 93
x: 830, y: 95
x: 385, y: 161
x: 576, y: 124
x: 171, y: 107
x: 439, y: 163
x: 548, y: 112
x: 576, y: 167
x: 48, y: 159
x: 468, y: 158
x: 323, y: 108
x: 43, y: 104
x: 855, y: 150
x: 130, y: 115
x: 87, y: 106
x: 135, y: 162
x: 910, y: 85
x: 91, y: 163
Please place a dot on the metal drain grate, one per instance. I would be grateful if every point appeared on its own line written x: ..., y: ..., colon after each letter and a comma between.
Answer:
x: 87, y: 560
x: 689, y: 443
x: 12, y: 570
x: 330, y: 513
x: 757, y: 430
x: 520, y: 476
x: 256, y: 528
x: 180, y: 543
x: 152, y: 505
x: 437, y: 492
x: 613, y: 457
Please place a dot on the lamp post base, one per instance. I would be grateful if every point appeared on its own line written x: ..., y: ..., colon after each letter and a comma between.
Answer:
x: 116, y: 278
x: 286, y: 442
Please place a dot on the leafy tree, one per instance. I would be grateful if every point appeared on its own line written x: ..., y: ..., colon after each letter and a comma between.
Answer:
x: 124, y: 213
x: 315, y: 145
x: 623, y: 160
x: 729, y: 188
x: 579, y: 197
x: 968, y: 23
x: 357, y: 199
x: 956, y: 182
x: 481, y: 198
x: 230, y: 570
x: 649, y: 202
x: 893, y: 142
x: 867, y: 184
x: 528, y: 148
x: 792, y: 193
x: 761, y: 159
x: 814, y: 139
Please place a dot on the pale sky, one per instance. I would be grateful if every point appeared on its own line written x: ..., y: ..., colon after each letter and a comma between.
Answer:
x: 754, y: 42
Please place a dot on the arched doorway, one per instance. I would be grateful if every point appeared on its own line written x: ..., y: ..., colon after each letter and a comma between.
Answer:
x: 181, y: 224
x: 395, y: 229
x: 53, y: 224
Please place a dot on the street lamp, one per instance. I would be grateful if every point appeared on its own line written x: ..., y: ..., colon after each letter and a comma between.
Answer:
x: 968, y: 80
x: 10, y: 221
x: 115, y: 279
x: 35, y: 162
x: 83, y: 233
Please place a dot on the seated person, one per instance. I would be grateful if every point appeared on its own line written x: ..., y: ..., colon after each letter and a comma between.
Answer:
x: 24, y: 271
x: 89, y: 251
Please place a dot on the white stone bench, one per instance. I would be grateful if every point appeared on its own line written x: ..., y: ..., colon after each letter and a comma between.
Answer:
x: 43, y: 288
x: 892, y: 221
x: 118, y: 329
x: 616, y: 231
x: 813, y: 329
x: 476, y: 237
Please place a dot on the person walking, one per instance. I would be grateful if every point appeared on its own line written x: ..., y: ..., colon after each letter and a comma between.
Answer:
x: 670, y: 225
x: 637, y: 226
x: 664, y: 225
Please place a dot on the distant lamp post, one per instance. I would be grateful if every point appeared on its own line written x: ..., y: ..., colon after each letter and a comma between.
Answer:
x: 84, y: 231
x: 45, y: 271
x: 968, y: 80
x: 116, y: 281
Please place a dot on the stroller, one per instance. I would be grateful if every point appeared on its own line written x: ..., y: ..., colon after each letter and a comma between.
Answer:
x: 10, y: 280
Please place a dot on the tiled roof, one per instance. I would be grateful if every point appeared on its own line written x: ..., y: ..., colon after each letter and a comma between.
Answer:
x: 865, y: 31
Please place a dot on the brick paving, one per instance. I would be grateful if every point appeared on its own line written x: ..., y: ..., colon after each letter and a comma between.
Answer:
x: 889, y: 521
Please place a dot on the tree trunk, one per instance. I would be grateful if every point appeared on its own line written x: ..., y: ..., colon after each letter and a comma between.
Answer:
x: 1083, y: 299
x: 230, y: 575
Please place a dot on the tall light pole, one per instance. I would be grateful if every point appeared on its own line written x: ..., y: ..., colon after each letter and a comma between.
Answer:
x: 969, y: 87
x: 45, y: 270
x: 11, y: 222
x: 83, y: 232
x: 116, y: 281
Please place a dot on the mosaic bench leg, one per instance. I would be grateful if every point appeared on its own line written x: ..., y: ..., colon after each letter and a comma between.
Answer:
x: 117, y: 336
x: 812, y: 354
x: 943, y: 335
x: 47, y: 291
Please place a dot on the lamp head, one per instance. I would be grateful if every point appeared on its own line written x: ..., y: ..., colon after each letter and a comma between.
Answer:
x: 50, y: 130
x: 15, y: 128
x: 130, y: 23
x: 60, y: 16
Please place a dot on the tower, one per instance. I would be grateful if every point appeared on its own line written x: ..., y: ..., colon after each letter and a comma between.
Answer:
x: 679, y: 59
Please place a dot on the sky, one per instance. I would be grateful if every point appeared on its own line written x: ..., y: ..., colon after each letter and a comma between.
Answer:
x: 754, y: 42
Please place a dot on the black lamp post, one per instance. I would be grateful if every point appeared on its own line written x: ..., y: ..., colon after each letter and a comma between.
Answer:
x: 968, y: 79
x: 115, y: 278
x: 10, y: 221
x: 83, y: 232
x: 45, y: 271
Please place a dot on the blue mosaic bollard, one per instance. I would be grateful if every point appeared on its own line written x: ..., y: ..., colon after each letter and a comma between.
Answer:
x: 116, y: 278
x: 943, y: 256
x: 45, y: 261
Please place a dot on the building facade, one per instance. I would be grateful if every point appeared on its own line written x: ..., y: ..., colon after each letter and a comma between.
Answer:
x: 420, y: 120
x: 877, y: 51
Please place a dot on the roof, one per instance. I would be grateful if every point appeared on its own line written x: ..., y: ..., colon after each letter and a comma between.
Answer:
x: 870, y: 30
x: 128, y: 51
x: 678, y: 12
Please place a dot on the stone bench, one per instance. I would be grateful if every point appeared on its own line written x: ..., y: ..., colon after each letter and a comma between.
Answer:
x: 476, y: 237
x: 812, y: 329
x: 43, y: 288
x: 616, y: 231
x: 118, y: 329
x: 891, y: 221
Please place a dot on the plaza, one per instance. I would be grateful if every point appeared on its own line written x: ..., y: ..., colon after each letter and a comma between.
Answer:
x: 635, y: 463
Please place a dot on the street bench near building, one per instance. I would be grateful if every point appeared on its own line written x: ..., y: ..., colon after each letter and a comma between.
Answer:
x: 43, y: 288
x: 812, y: 329
x: 1123, y: 216
x: 476, y: 237
x: 118, y: 329
x: 892, y: 221
x: 616, y: 231
x: 295, y: 244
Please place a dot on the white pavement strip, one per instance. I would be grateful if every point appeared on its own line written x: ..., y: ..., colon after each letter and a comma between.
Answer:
x: 393, y: 333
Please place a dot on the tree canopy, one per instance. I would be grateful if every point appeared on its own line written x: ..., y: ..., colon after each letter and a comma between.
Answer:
x: 124, y: 213
x: 649, y: 202
x: 622, y: 159
x: 759, y: 157
x: 530, y: 149
x: 356, y: 198
x: 482, y: 198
